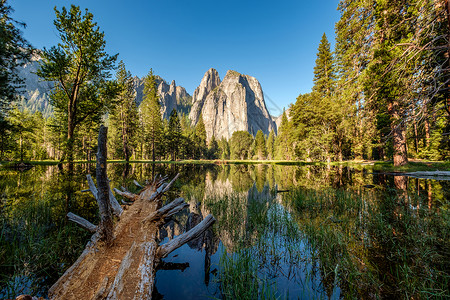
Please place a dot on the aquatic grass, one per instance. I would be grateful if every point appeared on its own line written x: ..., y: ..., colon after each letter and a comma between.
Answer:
x: 35, y: 250
x: 239, y: 279
x: 392, y: 247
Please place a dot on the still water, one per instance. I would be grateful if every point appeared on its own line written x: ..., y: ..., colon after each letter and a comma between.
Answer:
x: 289, y: 232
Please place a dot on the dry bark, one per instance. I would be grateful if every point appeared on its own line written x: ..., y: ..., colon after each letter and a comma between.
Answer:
x: 126, y: 269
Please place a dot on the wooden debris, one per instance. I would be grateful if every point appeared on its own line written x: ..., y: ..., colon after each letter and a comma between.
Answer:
x: 82, y: 222
x: 182, y: 239
x: 137, y: 184
x: 124, y: 268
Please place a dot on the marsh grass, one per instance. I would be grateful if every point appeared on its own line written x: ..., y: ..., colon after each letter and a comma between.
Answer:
x: 263, y: 248
x: 36, y: 246
x: 378, y: 244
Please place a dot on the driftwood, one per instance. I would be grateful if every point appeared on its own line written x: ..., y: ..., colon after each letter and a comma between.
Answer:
x: 124, y: 268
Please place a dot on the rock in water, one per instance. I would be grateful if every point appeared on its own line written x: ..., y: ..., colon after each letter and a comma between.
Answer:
x: 236, y: 103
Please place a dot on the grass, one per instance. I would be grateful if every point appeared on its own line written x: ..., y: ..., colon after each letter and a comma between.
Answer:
x: 376, y: 244
x: 35, y: 249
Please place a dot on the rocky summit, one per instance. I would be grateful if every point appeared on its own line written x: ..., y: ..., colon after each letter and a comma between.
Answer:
x: 236, y: 103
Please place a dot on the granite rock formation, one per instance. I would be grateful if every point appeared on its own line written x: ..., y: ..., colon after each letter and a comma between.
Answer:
x: 236, y: 103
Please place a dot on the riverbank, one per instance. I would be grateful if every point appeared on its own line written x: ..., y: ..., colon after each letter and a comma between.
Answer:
x: 382, y: 166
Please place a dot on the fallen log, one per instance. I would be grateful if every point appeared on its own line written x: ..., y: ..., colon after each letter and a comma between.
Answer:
x: 125, y: 267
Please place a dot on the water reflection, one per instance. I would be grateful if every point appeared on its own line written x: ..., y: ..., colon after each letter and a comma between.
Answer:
x: 272, y: 237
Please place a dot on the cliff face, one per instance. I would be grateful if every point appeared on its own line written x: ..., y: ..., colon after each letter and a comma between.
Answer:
x: 35, y: 95
x: 237, y: 103
x: 209, y: 82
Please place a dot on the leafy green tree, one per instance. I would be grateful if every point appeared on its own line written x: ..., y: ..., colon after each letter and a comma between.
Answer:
x: 260, y: 145
x: 80, y: 67
x: 150, y: 109
x: 224, y: 149
x: 123, y: 117
x: 240, y: 145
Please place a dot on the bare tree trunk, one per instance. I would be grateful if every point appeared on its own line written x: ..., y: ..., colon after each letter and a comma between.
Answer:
x: 106, y: 222
x: 416, y: 139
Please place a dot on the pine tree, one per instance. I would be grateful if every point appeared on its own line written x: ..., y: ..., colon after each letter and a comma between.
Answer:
x: 271, y: 145
x: 213, y: 148
x: 284, y: 141
x: 388, y: 78
x: 124, y: 115
x: 150, y: 110
x: 224, y: 149
x: 354, y: 34
x: 324, y: 70
x: 200, y: 138
x: 240, y: 144
x: 174, y: 136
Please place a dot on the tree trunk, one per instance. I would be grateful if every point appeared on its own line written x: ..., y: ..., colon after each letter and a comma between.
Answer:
x: 70, y: 133
x: 106, y: 222
x: 427, y: 132
x: 399, y: 135
x: 416, y: 139
x: 447, y: 11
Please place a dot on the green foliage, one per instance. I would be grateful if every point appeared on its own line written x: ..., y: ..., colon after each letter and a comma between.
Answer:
x: 224, y: 149
x: 213, y: 148
x: 260, y: 145
x: 324, y: 70
x: 14, y: 52
x: 123, y: 118
x: 200, y: 138
x: 240, y: 145
x: 174, y: 136
x: 284, y: 142
x: 150, y: 116
x: 81, y: 68
x: 271, y: 145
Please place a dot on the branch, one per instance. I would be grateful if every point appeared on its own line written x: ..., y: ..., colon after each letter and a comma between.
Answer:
x: 82, y: 222
x: 184, y: 238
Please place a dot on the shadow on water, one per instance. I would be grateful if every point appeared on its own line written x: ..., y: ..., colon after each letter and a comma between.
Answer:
x: 330, y: 232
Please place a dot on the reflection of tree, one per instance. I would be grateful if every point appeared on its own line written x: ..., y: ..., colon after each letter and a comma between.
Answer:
x: 240, y: 177
x: 374, y: 241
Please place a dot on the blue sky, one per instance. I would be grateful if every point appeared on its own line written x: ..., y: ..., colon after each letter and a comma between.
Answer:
x: 274, y: 41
